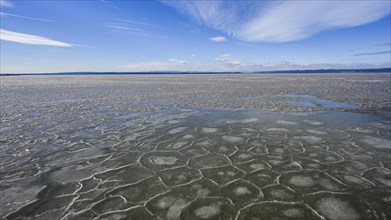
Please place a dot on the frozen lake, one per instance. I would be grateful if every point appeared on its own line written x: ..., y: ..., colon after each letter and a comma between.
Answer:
x: 101, y: 150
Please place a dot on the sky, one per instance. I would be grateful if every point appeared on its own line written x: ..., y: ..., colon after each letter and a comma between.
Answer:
x: 167, y: 35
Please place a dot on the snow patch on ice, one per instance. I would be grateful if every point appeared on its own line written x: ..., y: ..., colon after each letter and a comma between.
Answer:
x: 209, y: 130
x: 316, y: 132
x: 165, y: 202
x: 377, y: 142
x: 249, y: 120
x: 302, y: 181
x: 188, y: 136
x: 283, y: 122
x: 277, y: 130
x: 257, y: 166
x: 281, y: 194
x: 174, y: 121
x: 231, y: 173
x: 177, y: 130
x: 246, y: 120
x: 232, y: 139
x: 293, y: 213
x: 206, y: 212
x: 163, y: 160
x: 312, y: 122
x: 244, y: 156
x: 175, y: 208
x: 362, y: 130
x: 311, y: 139
x: 336, y: 209
x: 223, y: 148
x: 179, y: 144
x: 241, y: 191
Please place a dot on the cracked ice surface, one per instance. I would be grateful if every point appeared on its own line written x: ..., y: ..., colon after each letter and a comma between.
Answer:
x: 104, y: 163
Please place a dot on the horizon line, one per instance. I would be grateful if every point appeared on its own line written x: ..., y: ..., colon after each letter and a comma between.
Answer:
x: 378, y: 70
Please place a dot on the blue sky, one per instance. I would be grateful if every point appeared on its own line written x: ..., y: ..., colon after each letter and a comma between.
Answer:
x: 108, y: 35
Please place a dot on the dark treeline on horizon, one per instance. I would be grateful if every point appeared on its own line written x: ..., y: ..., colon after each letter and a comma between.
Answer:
x: 379, y: 70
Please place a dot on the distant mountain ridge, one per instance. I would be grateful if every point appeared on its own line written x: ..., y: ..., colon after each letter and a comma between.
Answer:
x: 378, y: 70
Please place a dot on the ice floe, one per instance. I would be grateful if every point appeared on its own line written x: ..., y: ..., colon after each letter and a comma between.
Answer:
x: 377, y: 142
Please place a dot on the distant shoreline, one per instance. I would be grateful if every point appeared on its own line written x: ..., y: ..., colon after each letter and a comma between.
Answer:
x: 379, y: 70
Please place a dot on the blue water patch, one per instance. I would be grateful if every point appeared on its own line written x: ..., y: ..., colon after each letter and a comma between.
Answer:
x: 368, y: 80
x: 313, y: 101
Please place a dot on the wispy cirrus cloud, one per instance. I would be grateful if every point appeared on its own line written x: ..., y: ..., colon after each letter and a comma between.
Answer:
x: 26, y: 17
x: 168, y: 65
x: 123, y: 28
x: 135, y: 33
x: 218, y: 39
x: 280, y: 21
x: 137, y: 22
x: 382, y: 45
x: 30, y: 39
x: 5, y: 3
x: 127, y: 27
x: 224, y: 57
x: 109, y: 4
x: 373, y: 53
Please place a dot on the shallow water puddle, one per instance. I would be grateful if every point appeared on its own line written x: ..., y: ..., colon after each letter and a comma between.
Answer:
x: 313, y: 101
x: 209, y: 164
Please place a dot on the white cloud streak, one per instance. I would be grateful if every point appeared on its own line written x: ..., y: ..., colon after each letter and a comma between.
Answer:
x: 382, y: 45
x: 135, y: 32
x: 25, y: 17
x: 218, y: 39
x: 124, y: 28
x: 373, y: 53
x: 108, y: 4
x: 280, y: 21
x: 224, y: 57
x: 177, y: 62
x: 137, y: 22
x: 30, y: 39
x: 168, y: 65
